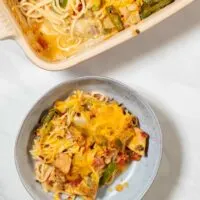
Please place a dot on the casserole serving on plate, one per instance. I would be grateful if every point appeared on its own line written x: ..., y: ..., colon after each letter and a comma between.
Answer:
x: 57, y: 34
x: 41, y: 150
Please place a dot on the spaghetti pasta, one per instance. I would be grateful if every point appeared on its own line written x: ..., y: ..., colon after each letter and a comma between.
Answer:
x: 85, y: 21
x: 80, y: 147
x: 77, y: 20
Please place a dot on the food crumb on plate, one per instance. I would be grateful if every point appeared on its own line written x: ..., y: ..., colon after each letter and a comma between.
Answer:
x: 125, y: 184
x: 121, y: 187
x: 110, y: 189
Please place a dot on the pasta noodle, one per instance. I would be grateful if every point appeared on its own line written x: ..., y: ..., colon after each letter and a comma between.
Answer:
x: 83, y: 23
x: 80, y: 147
x: 79, y: 21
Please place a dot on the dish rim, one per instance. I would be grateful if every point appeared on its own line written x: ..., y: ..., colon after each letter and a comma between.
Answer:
x: 18, y: 35
x: 101, y: 78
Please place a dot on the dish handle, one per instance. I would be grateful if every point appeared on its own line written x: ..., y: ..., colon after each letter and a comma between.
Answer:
x: 6, y: 28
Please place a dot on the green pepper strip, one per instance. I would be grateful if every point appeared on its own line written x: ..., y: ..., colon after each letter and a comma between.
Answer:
x: 48, y: 117
x: 151, y: 2
x: 118, y: 143
x: 107, y: 174
x: 115, y: 17
x: 148, y: 9
x: 63, y: 3
x: 96, y: 5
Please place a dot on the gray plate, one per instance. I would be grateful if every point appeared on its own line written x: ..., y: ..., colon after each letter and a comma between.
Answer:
x: 139, y: 175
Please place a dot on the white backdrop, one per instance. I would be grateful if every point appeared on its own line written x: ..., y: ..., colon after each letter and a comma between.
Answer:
x: 163, y: 65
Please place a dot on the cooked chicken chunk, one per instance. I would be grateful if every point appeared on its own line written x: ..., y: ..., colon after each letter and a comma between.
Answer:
x: 63, y: 163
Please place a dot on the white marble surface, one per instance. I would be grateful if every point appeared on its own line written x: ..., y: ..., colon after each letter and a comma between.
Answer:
x: 162, y: 64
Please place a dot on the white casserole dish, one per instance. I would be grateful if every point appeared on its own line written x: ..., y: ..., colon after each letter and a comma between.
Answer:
x: 10, y: 28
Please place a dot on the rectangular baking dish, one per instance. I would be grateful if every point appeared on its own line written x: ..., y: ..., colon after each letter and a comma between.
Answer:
x: 10, y: 28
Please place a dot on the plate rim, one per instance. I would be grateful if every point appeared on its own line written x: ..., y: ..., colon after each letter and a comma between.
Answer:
x: 100, y: 78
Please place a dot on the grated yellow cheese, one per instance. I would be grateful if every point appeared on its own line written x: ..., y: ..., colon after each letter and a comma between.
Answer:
x: 91, y: 131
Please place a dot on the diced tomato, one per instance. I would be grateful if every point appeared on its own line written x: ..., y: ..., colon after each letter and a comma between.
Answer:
x: 145, y: 135
x: 123, y: 158
x: 136, y: 156
x: 107, y: 152
x: 43, y: 43
x: 75, y: 182
x: 122, y: 162
x: 80, y: 6
x: 99, y: 163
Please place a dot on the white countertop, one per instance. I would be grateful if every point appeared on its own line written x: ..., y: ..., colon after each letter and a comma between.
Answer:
x: 162, y: 64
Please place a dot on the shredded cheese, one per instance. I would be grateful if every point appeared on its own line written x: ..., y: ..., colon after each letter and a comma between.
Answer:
x: 78, y: 138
